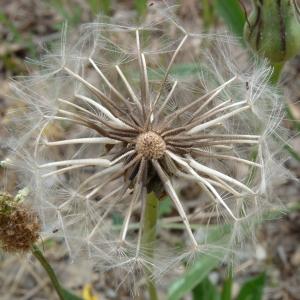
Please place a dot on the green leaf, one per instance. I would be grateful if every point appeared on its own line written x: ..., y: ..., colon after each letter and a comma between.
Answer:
x: 253, y: 288
x: 198, y: 272
x: 70, y: 296
x: 219, y: 235
x: 206, y: 291
x: 232, y: 13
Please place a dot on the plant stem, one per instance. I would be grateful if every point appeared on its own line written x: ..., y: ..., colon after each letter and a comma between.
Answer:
x: 43, y: 261
x: 149, y: 236
x: 276, y: 73
x: 227, y: 286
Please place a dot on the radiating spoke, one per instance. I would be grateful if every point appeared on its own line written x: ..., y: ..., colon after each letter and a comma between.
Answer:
x: 116, y: 92
x: 219, y: 184
x: 171, y: 192
x: 224, y: 142
x: 213, y: 122
x: 163, y: 82
x: 78, y: 107
x: 64, y: 170
x: 226, y: 157
x: 145, y: 90
x: 91, y: 140
x: 215, y: 108
x: 37, y: 142
x: 121, y: 157
x: 210, y: 95
x: 129, y: 88
x: 204, y: 181
x: 108, y: 102
x: 192, y: 178
x: 138, y: 188
x: 102, y: 109
x: 92, y: 123
x: 215, y: 112
x: 65, y: 119
x: 114, y: 176
x: 92, y: 88
x: 210, y: 171
x: 163, y: 105
x: 102, y: 173
x: 86, y: 161
x: 209, y: 137
x: 144, y: 84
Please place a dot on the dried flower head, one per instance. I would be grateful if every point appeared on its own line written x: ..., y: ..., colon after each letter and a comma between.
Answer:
x: 19, y: 225
x: 125, y: 110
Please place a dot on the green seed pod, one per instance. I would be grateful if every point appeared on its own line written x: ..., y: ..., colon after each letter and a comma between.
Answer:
x: 273, y: 29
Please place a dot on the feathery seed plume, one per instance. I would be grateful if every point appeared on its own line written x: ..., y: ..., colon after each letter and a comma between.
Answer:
x: 125, y: 110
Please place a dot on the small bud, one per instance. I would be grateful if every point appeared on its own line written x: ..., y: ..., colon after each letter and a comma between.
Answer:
x: 19, y: 225
x: 273, y: 29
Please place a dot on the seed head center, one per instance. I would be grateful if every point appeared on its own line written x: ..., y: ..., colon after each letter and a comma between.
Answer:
x: 150, y: 145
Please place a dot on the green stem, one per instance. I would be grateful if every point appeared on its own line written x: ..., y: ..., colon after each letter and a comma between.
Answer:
x: 227, y: 286
x: 149, y: 237
x: 276, y: 73
x: 43, y: 261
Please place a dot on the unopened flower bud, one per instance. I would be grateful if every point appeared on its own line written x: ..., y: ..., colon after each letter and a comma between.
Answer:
x: 273, y: 29
x: 19, y: 225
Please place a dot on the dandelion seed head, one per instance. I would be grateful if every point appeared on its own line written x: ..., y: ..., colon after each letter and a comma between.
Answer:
x: 125, y: 105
